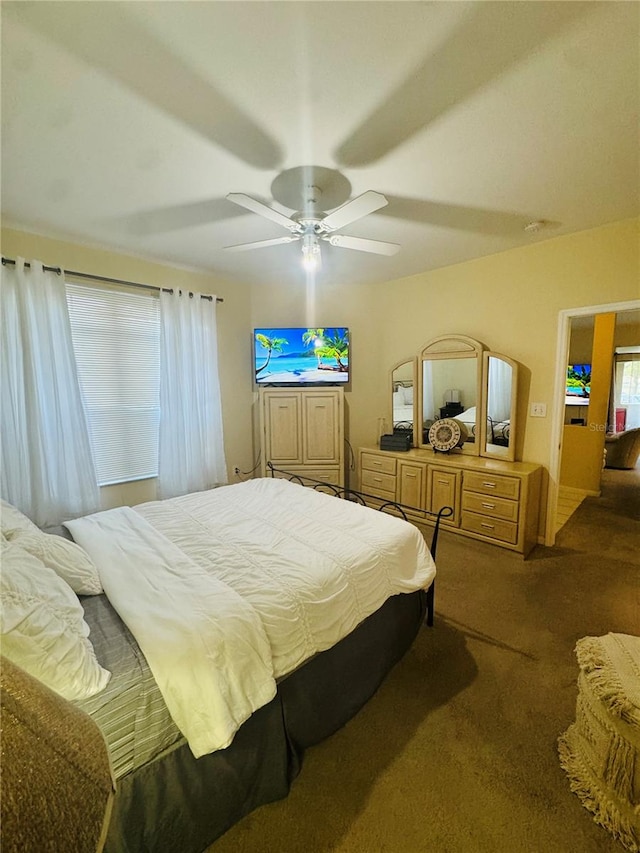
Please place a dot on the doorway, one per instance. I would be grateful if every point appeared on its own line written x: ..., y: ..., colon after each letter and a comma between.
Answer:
x: 562, y: 353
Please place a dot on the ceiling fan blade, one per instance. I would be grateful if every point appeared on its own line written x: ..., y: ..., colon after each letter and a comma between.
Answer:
x: 468, y: 61
x: 461, y: 217
x: 362, y: 245
x: 116, y: 43
x: 355, y: 209
x: 263, y: 210
x: 260, y: 244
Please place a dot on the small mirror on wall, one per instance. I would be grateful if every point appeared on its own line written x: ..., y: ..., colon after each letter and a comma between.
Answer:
x: 499, y: 382
x: 403, y: 385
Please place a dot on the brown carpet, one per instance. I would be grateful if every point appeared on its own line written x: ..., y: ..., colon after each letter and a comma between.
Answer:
x: 457, y: 752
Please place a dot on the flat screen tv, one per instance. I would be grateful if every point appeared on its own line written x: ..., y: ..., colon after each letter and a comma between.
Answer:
x: 578, y: 383
x: 296, y: 356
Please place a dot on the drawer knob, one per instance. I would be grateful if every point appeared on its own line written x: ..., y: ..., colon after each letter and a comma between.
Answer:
x: 489, y: 485
x: 488, y: 526
x: 489, y: 506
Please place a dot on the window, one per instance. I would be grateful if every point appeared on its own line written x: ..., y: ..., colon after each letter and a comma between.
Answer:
x: 630, y: 383
x: 116, y: 339
x: 627, y: 387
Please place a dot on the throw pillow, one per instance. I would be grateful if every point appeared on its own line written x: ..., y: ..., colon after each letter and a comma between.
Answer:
x: 43, y: 627
x: 67, y: 559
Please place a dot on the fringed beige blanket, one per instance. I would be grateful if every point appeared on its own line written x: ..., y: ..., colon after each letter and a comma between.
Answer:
x: 600, y: 751
x: 57, y: 785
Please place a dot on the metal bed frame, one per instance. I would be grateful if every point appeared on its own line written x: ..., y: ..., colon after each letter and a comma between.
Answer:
x: 392, y: 507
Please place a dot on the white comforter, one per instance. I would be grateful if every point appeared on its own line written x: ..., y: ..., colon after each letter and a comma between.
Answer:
x: 230, y: 589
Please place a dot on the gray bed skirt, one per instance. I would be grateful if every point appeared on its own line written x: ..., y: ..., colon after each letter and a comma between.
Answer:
x: 179, y: 803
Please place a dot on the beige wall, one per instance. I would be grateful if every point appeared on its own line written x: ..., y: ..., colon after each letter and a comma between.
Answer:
x: 581, y: 342
x: 234, y: 339
x: 628, y: 333
x: 509, y: 301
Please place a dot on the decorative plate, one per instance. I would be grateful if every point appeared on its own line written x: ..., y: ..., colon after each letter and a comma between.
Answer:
x: 447, y: 433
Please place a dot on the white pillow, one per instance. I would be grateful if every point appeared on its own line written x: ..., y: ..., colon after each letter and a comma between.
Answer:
x: 12, y: 521
x: 67, y: 559
x: 43, y: 627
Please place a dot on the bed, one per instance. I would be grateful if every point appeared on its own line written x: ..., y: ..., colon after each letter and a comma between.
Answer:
x: 501, y: 432
x: 469, y: 418
x: 497, y: 432
x: 302, y: 601
x: 403, y: 405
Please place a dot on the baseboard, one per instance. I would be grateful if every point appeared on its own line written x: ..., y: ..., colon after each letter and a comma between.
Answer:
x: 574, y: 493
x: 579, y: 493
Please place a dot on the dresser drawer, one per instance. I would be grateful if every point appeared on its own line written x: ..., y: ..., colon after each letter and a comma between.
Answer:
x: 384, y: 464
x: 381, y: 494
x: 308, y: 475
x: 490, y: 505
x: 492, y: 484
x: 495, y: 528
x: 378, y: 480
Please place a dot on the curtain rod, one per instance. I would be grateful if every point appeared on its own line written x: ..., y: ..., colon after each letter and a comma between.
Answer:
x: 106, y: 278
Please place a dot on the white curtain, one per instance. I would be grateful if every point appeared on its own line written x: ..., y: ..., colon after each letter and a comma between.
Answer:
x: 191, y: 447
x: 47, y: 467
x: 499, y: 390
x: 429, y: 405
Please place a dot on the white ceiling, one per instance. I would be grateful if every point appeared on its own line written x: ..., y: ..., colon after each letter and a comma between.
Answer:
x: 125, y: 125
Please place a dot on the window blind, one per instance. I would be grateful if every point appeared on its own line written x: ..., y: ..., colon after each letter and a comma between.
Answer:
x: 116, y: 339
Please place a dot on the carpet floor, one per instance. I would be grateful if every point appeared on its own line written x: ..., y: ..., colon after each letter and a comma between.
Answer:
x: 457, y: 751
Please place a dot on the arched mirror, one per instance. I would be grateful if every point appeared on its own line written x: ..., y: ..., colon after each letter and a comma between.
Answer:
x: 450, y: 387
x: 403, y: 397
x: 499, y: 386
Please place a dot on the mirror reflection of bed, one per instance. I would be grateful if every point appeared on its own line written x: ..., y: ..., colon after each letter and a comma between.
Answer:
x: 500, y: 379
x: 403, y: 404
x: 499, y: 382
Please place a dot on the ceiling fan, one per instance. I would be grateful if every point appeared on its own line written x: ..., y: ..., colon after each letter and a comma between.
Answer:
x: 311, y: 225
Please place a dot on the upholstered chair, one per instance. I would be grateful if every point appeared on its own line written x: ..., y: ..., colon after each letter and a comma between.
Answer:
x: 622, y: 449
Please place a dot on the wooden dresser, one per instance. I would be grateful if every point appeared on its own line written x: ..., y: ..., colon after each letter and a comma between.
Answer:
x: 492, y: 500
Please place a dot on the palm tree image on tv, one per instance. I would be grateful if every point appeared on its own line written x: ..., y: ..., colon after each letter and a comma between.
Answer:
x: 270, y: 345
x: 314, y: 337
x: 579, y: 380
x: 337, y: 347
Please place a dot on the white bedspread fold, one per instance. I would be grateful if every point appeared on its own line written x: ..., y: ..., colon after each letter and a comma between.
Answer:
x: 205, y: 646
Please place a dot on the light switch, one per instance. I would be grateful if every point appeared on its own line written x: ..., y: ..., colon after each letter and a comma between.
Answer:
x: 538, y: 410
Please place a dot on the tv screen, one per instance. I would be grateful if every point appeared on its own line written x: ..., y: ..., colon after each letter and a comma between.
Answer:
x: 579, y: 381
x: 295, y: 356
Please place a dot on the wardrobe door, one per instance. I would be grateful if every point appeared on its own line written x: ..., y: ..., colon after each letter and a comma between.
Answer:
x: 282, y: 428
x: 322, y: 427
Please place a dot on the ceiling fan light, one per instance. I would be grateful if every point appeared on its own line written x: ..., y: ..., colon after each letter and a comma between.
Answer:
x: 310, y: 252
